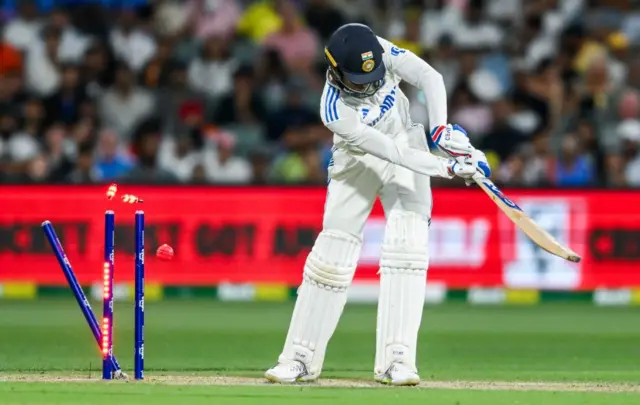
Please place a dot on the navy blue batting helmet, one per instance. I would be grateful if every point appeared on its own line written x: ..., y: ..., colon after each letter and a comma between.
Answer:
x: 354, y: 56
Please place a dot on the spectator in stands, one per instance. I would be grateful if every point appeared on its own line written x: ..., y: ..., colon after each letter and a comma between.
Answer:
x: 576, y: 45
x: 572, y: 167
x: 366, y: 12
x: 212, y: 71
x: 37, y: 171
x: 182, y: 152
x: 125, y: 105
x: 541, y: 93
x: 259, y: 20
x: 631, y: 26
x: 619, y: 52
x: 73, y: 44
x: 8, y: 127
x: 323, y: 17
x: 10, y: 59
x: 473, y: 31
x: 57, y: 153
x: 410, y: 38
x: 629, y: 132
x: 529, y: 164
x: 23, y: 30
x: 566, y: 67
x: 531, y: 110
x: 511, y: 171
x: 199, y: 175
x: 299, y: 161
x: 294, y: 113
x: 272, y: 77
x: 88, y: 112
x: 42, y: 73
x: 615, y: 174
x: 83, y: 132
x: 171, y: 18
x: 146, y: 145
x: 591, y: 147
x: 130, y: 43
x: 24, y: 145
x: 597, y: 98
x: 64, y: 104
x: 629, y: 105
x: 244, y: 105
x: 445, y: 61
x: 156, y: 73
x: 539, y: 160
x: 296, y: 43
x: 12, y: 92
x: 468, y: 111
x: 112, y: 160
x: 628, y: 117
x: 84, y: 171
x: 213, y: 18
x: 223, y: 166
x: 180, y: 156
x: 98, y: 69
x: 503, y: 138
x: 177, y: 100
x: 260, y: 161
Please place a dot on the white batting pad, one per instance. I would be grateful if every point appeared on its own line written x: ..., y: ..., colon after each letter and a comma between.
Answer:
x: 403, y: 271
x: 328, y: 272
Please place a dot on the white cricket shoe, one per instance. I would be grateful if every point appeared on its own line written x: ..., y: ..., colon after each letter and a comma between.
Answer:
x: 398, y: 374
x: 288, y: 373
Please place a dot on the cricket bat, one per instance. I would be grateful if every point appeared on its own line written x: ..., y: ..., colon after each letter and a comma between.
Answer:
x: 527, y: 225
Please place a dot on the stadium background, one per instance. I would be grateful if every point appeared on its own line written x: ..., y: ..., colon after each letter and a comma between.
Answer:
x: 208, y: 110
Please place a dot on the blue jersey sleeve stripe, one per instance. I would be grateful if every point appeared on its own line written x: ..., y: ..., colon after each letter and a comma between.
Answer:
x: 331, y: 104
x: 335, y: 104
x: 327, y: 96
x: 332, y: 100
x: 332, y: 93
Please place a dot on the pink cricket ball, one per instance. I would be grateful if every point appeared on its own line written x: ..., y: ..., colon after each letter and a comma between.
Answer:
x: 164, y: 252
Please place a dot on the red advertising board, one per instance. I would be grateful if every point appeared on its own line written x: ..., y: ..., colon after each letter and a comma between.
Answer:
x: 228, y: 234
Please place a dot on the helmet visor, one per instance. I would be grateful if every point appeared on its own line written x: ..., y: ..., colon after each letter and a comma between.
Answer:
x: 362, y: 85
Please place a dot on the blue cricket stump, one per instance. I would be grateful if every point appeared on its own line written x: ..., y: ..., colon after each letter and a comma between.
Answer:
x: 82, y: 300
x: 139, y: 297
x: 107, y: 294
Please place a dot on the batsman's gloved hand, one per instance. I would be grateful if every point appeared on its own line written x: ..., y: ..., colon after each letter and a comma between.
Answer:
x: 482, y: 165
x: 450, y: 140
x: 463, y: 167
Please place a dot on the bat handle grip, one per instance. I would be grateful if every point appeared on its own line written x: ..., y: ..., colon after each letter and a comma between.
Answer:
x: 478, y: 176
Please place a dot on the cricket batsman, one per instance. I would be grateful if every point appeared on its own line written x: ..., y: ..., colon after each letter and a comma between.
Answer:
x: 378, y: 152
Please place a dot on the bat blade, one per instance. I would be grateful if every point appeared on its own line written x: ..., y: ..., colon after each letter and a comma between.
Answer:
x: 527, y: 225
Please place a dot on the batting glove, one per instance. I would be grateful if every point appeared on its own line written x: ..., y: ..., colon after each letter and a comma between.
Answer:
x: 452, y: 140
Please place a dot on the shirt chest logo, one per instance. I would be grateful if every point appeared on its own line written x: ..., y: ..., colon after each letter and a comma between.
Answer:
x: 372, y: 115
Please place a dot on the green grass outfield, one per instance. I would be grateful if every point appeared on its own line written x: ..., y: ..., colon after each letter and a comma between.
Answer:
x: 200, y: 351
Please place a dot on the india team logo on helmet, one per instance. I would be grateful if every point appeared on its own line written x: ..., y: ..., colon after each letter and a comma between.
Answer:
x: 368, y: 63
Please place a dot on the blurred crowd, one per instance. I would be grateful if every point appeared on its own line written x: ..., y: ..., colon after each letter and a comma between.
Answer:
x: 227, y: 91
